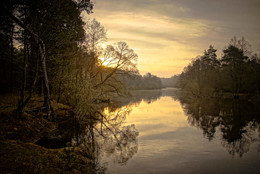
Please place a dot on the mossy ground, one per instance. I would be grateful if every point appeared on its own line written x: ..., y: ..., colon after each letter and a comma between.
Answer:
x: 18, y: 151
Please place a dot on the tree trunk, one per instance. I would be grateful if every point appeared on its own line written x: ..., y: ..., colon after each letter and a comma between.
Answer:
x: 12, y: 59
x: 41, y: 45
x: 21, y: 101
x: 47, y: 96
x: 60, y: 83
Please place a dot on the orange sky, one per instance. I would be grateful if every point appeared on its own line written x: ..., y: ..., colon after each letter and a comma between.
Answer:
x: 167, y: 34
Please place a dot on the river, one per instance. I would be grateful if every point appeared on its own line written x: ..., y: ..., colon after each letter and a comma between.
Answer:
x: 176, y: 135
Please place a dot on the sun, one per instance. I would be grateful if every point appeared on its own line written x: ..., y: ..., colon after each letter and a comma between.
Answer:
x: 107, y: 62
x: 103, y: 45
x: 104, y: 61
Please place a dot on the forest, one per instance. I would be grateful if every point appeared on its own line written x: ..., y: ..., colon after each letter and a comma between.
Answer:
x: 55, y: 80
x: 236, y: 74
x: 57, y: 77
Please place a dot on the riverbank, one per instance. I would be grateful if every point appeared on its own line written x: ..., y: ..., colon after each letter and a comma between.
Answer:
x: 250, y: 97
x: 33, y: 144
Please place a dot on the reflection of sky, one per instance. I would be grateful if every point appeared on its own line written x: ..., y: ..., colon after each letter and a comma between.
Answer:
x: 168, y: 144
x: 156, y: 118
x: 168, y: 33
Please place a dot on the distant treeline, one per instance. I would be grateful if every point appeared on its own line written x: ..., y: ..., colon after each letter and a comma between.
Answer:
x: 137, y: 81
x: 171, y: 82
x: 236, y: 72
x: 149, y: 81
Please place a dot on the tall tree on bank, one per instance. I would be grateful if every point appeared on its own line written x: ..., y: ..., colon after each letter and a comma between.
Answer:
x: 201, y: 75
x: 15, y: 11
x: 42, y: 51
x: 235, y: 74
x: 234, y: 61
x: 242, y: 44
x: 7, y: 34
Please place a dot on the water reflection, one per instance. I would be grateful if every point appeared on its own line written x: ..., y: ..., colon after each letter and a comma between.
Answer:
x: 118, y: 140
x: 124, y: 147
x: 168, y: 139
x: 238, y: 121
x: 136, y: 97
x: 105, y: 134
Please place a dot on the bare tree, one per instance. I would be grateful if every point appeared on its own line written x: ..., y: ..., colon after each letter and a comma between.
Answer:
x: 120, y: 59
x: 95, y: 34
x: 242, y: 44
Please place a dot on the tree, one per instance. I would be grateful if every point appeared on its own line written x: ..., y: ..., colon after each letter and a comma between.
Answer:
x: 95, y: 34
x: 242, y: 44
x: 235, y: 72
x: 7, y: 54
x: 190, y: 77
x: 234, y: 60
x: 151, y: 82
x: 209, y: 59
x: 120, y: 59
x: 201, y: 76
x: 209, y: 71
x: 41, y: 47
x: 45, y: 23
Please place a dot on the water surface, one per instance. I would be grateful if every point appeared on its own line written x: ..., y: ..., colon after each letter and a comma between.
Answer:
x: 180, y: 135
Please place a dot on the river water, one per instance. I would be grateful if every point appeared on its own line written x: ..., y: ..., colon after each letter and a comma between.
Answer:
x: 173, y: 134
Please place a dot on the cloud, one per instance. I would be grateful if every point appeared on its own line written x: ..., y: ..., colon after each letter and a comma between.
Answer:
x: 166, y: 33
x: 154, y: 36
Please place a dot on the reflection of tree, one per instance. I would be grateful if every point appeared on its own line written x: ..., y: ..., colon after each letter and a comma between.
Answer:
x: 124, y: 146
x: 237, y: 147
x: 238, y: 121
x: 119, y: 140
x: 241, y: 145
x: 147, y: 96
x: 106, y: 133
x: 174, y: 93
x: 137, y: 97
x: 203, y: 115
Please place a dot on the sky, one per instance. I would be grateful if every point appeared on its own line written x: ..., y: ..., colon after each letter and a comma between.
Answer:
x: 168, y: 34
